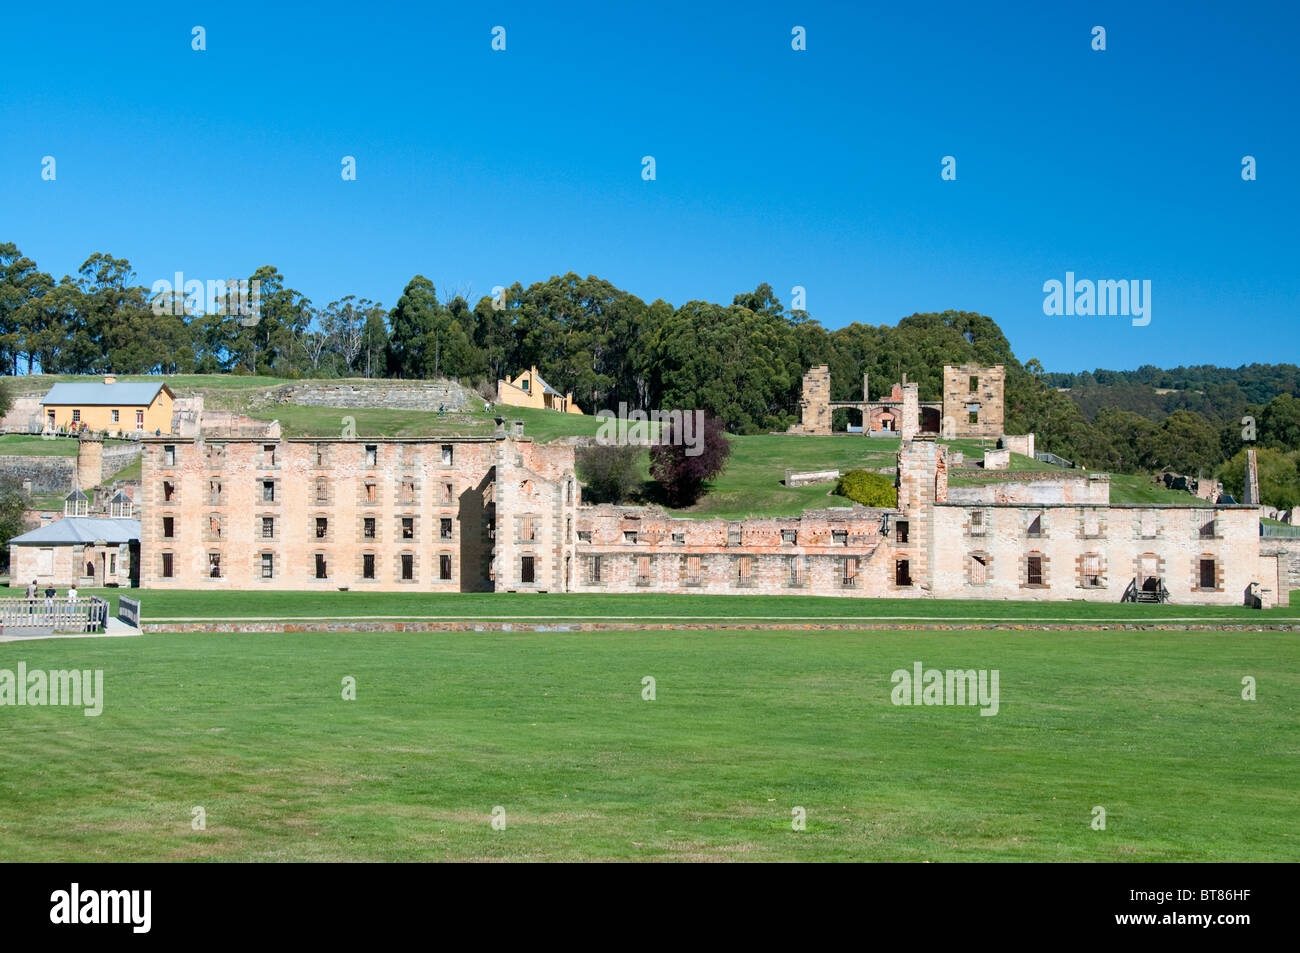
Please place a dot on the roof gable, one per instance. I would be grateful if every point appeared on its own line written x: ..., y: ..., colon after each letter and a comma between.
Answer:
x: 82, y: 529
x: 100, y: 394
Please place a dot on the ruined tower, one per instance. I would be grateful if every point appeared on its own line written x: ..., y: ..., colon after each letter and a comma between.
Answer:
x: 973, y: 400
x: 815, y: 405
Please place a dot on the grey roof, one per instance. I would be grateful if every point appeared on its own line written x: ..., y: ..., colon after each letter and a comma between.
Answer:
x: 76, y: 496
x: 120, y: 497
x: 101, y: 394
x: 83, y: 529
x: 546, y: 388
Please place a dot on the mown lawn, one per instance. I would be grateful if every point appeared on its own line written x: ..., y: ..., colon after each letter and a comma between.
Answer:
x: 37, y: 446
x: 745, y: 727
x: 174, y: 604
x: 1140, y: 488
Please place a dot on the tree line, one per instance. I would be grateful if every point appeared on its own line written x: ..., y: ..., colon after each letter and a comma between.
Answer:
x: 741, y: 362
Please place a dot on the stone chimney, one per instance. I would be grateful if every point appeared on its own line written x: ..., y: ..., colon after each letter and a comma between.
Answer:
x: 90, y: 461
x: 911, y: 425
x: 1250, y: 492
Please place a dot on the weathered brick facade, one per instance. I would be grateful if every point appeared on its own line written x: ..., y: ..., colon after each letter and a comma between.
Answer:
x: 364, y: 513
x: 635, y: 549
x: 1056, y: 551
x: 500, y: 514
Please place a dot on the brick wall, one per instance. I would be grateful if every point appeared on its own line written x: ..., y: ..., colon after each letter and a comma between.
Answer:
x: 1094, y: 552
x: 267, y: 509
x: 1010, y: 486
x: 633, y: 549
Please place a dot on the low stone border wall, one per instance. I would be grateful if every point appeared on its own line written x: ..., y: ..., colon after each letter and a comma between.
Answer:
x: 391, y: 395
x: 811, y: 476
x: 1027, y: 476
x: 361, y: 626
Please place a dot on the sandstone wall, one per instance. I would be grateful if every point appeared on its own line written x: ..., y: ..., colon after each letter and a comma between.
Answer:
x: 635, y: 549
x: 394, y: 395
x: 433, y: 500
x: 1169, y: 538
x: 985, y: 400
x: 1011, y: 486
x: 24, y: 415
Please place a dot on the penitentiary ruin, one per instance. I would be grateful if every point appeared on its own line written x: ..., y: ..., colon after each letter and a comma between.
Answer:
x: 503, y: 513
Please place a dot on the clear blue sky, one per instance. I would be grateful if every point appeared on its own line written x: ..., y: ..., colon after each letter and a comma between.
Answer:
x: 817, y: 168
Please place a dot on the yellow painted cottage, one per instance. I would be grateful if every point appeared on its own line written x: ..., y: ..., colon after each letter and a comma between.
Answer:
x: 529, y: 390
x: 110, y: 406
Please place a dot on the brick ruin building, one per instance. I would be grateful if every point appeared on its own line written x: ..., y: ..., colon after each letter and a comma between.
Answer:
x: 463, y: 514
x: 1038, y: 539
x: 504, y: 514
x: 972, y: 405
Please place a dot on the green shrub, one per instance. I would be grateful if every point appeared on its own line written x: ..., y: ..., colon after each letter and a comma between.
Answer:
x: 867, y: 488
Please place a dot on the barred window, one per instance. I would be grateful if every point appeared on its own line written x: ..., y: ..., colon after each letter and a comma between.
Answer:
x: 1091, y: 564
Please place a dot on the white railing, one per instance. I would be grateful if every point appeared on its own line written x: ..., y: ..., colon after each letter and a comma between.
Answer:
x: 59, y: 615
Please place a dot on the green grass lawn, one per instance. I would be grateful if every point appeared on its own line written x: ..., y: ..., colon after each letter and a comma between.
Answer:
x: 745, y: 727
x: 752, y: 483
x: 35, y: 446
x: 1139, y: 488
x: 172, y: 604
